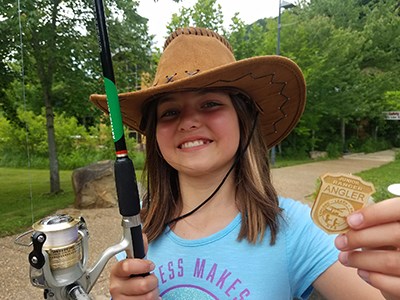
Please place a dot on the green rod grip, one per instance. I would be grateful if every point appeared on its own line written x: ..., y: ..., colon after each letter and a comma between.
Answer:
x: 115, y: 110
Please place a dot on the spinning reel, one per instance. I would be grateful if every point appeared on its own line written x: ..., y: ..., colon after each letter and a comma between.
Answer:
x: 58, y: 261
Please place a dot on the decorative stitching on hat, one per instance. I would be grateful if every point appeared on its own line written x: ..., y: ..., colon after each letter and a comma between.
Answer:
x: 196, y: 31
x: 191, y: 73
x: 170, y: 78
x: 281, y: 107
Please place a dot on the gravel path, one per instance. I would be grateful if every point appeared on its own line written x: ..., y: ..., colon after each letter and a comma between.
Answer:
x: 297, y: 182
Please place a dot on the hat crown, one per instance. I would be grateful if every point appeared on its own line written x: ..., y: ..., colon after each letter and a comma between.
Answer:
x: 191, y: 51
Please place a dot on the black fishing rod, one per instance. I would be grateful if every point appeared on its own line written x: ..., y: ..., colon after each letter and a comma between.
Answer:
x: 125, y: 178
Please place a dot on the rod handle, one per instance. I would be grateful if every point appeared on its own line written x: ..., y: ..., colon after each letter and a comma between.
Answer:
x: 126, y: 186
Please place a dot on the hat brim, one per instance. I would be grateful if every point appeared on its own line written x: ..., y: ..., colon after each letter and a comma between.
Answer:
x: 275, y: 83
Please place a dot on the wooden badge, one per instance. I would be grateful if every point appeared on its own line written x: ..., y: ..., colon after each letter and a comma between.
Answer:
x: 339, y: 196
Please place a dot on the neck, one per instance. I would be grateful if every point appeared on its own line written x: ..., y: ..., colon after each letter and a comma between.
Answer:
x: 215, y: 215
x: 195, y: 190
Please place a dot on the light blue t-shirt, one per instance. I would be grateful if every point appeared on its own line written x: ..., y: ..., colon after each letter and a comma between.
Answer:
x: 220, y: 267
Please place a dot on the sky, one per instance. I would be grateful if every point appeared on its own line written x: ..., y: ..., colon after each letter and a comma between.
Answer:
x: 159, y: 13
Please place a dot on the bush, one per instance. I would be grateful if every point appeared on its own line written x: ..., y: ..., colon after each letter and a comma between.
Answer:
x: 138, y: 160
x: 76, y: 146
x: 334, y: 150
x: 397, y: 155
x: 372, y: 145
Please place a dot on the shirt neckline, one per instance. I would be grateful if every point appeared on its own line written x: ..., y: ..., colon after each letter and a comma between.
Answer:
x: 206, y: 240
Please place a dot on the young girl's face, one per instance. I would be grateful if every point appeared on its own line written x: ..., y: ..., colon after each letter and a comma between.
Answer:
x: 198, y: 132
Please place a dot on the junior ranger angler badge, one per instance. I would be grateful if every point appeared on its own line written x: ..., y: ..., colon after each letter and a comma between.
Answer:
x: 339, y: 196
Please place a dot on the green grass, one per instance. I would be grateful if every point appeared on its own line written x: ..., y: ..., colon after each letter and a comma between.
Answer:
x: 18, y: 208
x: 382, y: 177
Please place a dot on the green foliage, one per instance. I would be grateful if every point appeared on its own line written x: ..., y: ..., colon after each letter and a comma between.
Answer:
x: 138, y: 160
x: 334, y: 150
x: 372, y: 145
x: 349, y: 58
x: 60, y: 58
x: 77, y: 146
x: 247, y: 40
x: 205, y: 13
x: 130, y: 43
x: 397, y: 155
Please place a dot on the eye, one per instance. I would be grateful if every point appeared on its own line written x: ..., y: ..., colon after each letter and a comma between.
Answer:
x: 211, y: 104
x: 168, y: 114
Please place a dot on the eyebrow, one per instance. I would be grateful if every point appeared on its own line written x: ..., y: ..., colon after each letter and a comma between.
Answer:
x: 164, y: 98
x: 168, y: 96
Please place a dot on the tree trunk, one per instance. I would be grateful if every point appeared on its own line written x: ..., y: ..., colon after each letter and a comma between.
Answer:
x: 46, y: 64
x: 343, y: 133
x: 51, y: 141
x: 376, y: 133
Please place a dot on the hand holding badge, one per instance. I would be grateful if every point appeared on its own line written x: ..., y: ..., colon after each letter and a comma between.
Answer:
x: 367, y: 234
x: 339, y: 196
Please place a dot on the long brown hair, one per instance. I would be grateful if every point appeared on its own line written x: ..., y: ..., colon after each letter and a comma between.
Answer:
x: 257, y: 199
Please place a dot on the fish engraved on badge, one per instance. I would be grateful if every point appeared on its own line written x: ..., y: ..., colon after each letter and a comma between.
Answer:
x: 339, y: 195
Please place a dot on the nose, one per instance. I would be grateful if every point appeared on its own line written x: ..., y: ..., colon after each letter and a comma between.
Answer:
x: 189, y: 119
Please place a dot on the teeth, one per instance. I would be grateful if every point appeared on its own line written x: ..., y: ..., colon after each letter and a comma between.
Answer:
x: 192, y: 144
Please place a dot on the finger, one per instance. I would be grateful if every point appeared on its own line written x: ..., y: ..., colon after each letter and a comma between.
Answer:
x: 378, y: 261
x: 383, y: 212
x: 385, y: 235
x: 130, y: 266
x: 389, y: 285
x: 138, y: 286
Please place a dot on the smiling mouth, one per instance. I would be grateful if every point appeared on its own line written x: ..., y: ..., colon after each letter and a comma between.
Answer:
x: 193, y: 144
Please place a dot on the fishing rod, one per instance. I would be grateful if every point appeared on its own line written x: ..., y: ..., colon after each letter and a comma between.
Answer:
x: 125, y: 178
x: 58, y: 261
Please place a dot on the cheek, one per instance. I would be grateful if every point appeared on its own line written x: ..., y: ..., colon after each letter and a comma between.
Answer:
x: 234, y: 136
x: 228, y: 129
x: 228, y: 134
x: 164, y: 138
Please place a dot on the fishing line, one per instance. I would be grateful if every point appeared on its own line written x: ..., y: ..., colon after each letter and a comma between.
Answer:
x: 24, y: 105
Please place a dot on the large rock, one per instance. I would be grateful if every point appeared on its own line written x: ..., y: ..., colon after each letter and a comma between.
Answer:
x: 94, y: 185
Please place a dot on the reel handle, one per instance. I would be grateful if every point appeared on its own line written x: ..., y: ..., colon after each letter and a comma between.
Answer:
x: 36, y: 257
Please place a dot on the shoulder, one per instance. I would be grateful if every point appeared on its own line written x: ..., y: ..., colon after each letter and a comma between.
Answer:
x: 294, y: 210
x: 300, y: 232
x: 296, y: 221
x: 317, y: 251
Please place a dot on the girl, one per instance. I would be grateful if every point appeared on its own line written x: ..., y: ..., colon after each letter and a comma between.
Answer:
x: 215, y: 225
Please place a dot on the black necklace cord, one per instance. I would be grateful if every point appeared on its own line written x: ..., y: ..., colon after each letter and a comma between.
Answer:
x: 240, y: 154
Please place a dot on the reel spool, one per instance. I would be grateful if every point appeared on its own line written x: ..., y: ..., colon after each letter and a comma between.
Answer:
x: 63, y: 243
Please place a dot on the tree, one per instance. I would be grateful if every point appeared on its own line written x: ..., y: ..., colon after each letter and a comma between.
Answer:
x: 9, y: 30
x: 205, y: 13
x: 248, y: 40
x: 62, y: 60
x: 130, y: 43
x: 349, y: 54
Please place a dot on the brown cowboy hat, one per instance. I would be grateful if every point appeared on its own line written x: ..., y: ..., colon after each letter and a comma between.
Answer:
x: 198, y: 58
